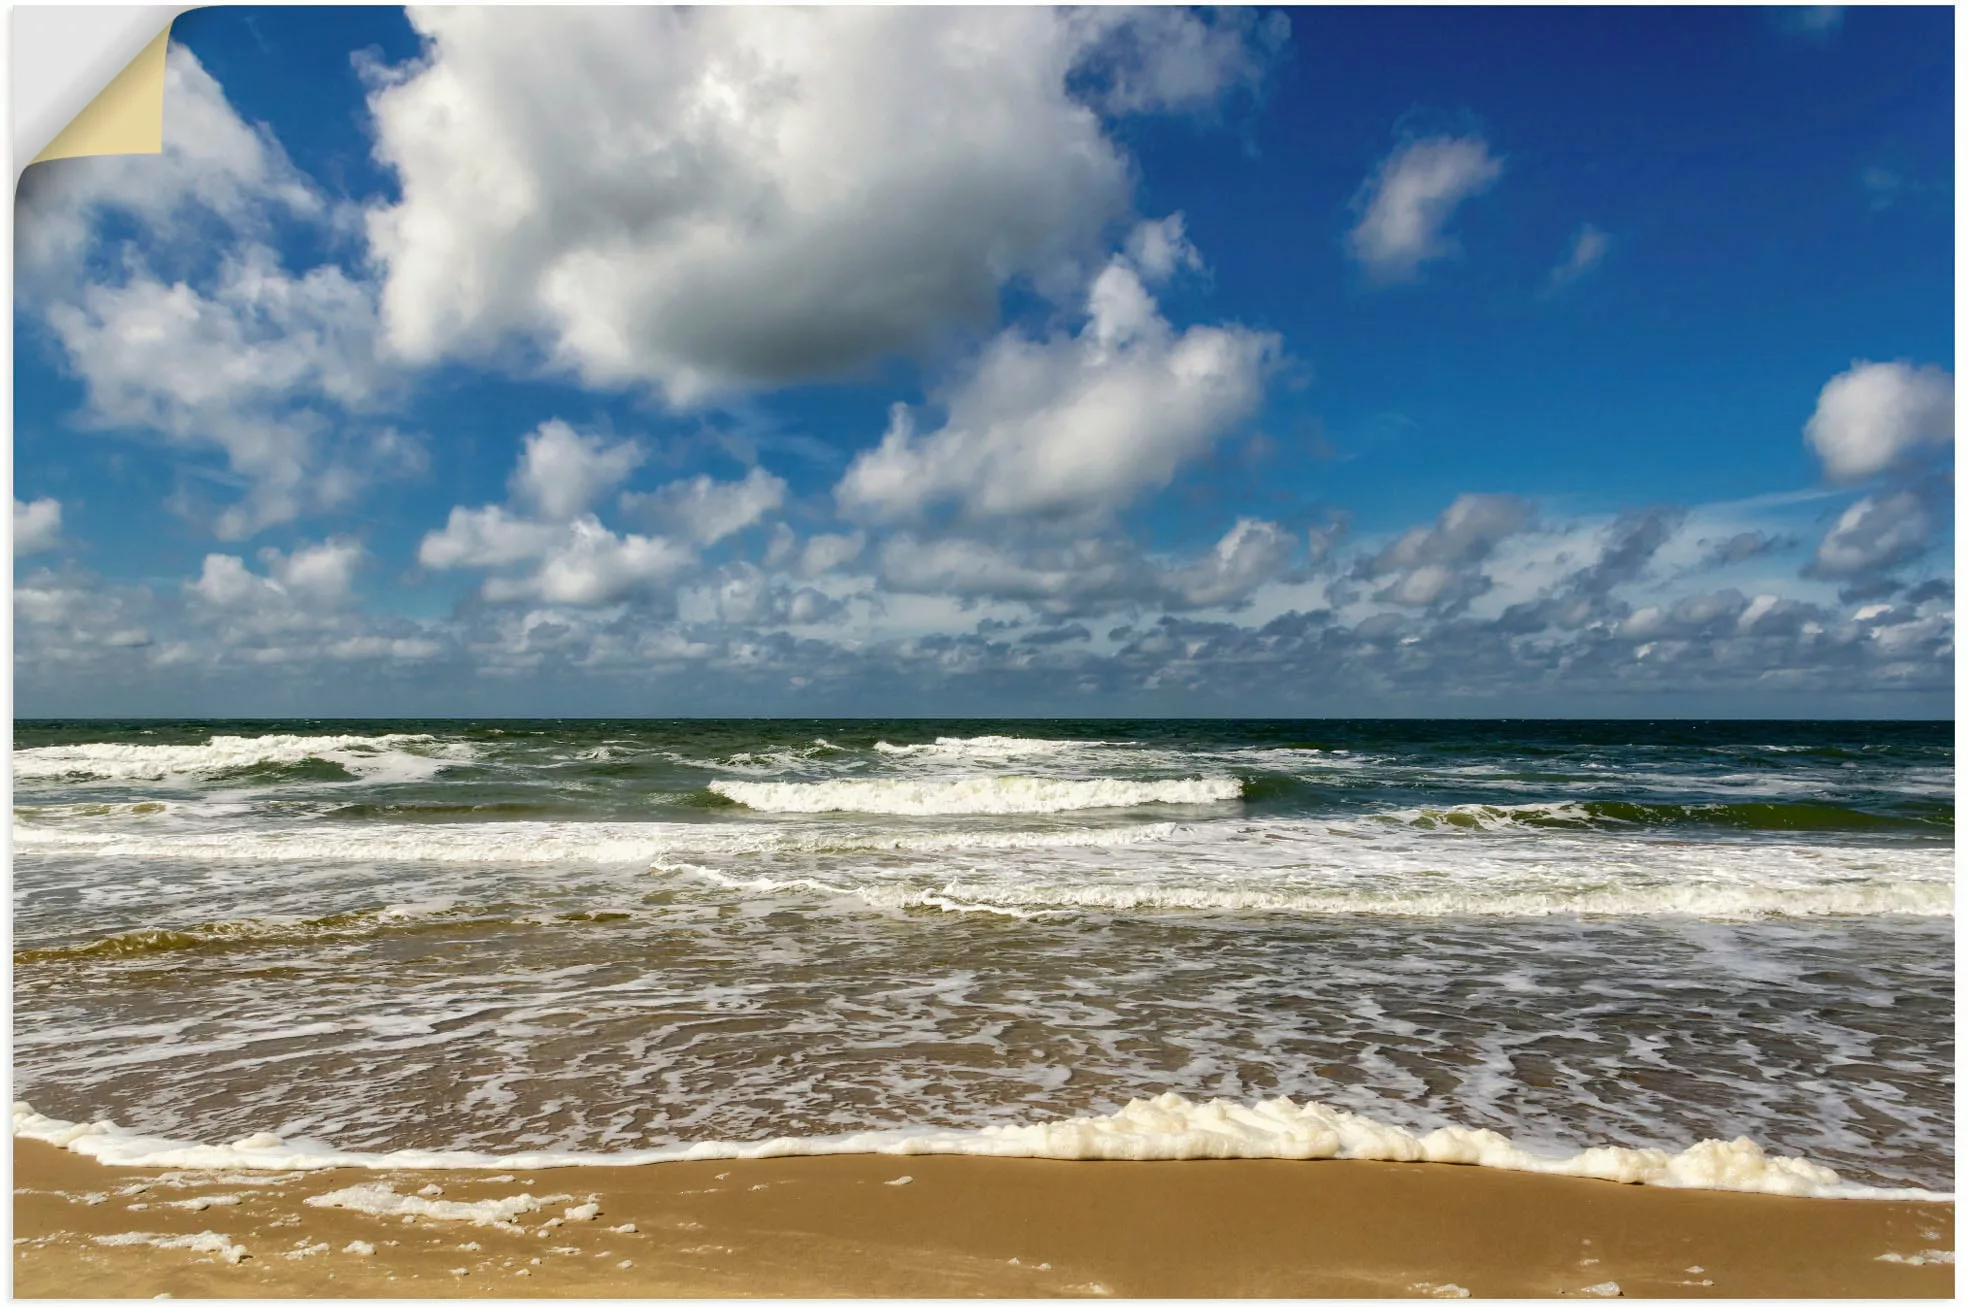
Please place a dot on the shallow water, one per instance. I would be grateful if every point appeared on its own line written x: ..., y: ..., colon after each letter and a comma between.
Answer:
x: 606, y: 936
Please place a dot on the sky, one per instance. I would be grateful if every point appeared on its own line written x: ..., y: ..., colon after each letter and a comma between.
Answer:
x: 999, y: 362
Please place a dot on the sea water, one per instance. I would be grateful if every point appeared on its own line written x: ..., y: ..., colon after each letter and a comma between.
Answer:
x: 1609, y: 948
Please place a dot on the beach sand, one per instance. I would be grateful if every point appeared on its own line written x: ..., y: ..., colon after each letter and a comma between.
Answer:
x: 964, y: 1227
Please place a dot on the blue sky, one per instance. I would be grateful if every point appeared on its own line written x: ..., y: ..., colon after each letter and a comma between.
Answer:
x: 1295, y: 362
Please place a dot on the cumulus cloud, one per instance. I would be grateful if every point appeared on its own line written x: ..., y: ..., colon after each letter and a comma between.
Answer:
x: 318, y: 576
x: 1072, y: 427
x: 586, y: 563
x: 1743, y: 546
x: 1878, y: 417
x: 1441, y: 566
x: 1876, y: 534
x: 212, y: 163
x: 252, y: 368
x: 825, y: 552
x: 552, y: 550
x: 1091, y: 574
x: 707, y: 510
x: 485, y: 537
x: 1159, y: 249
x: 37, y: 526
x: 747, y: 596
x: 1406, y: 204
x: 701, y: 199
x: 1588, y: 248
x: 321, y: 574
x: 562, y: 472
x: 575, y: 562
x: 197, y: 332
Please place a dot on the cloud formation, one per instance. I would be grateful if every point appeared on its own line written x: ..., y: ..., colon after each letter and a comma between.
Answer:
x: 1407, y: 203
x: 1441, y: 566
x: 1879, y: 417
x: 561, y: 472
x: 212, y: 344
x: 1588, y: 248
x: 37, y: 526
x: 1070, y: 427
x: 707, y: 199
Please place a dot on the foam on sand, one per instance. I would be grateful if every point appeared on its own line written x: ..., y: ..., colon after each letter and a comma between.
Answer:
x: 205, y: 1241
x: 974, y: 795
x: 1166, y: 1128
x: 382, y: 1200
x: 377, y: 757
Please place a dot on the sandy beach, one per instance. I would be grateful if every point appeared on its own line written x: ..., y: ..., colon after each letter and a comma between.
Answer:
x: 958, y: 1227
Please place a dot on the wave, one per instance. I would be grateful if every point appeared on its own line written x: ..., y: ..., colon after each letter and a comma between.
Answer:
x: 974, y: 795
x: 533, y: 842
x: 1618, y: 814
x: 248, y: 931
x: 1165, y: 1128
x: 986, y: 746
x: 1028, y: 900
x: 370, y: 757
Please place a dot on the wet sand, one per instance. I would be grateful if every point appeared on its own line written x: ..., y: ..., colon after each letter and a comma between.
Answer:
x: 964, y: 1227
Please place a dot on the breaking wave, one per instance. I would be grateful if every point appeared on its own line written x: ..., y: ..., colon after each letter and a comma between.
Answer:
x: 371, y: 757
x: 974, y: 795
x: 1614, y: 814
x: 1165, y: 1128
x: 985, y: 747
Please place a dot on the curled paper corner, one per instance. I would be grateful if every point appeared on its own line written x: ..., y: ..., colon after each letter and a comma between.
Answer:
x: 126, y: 116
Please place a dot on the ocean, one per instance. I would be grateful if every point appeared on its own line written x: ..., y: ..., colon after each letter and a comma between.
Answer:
x: 503, y: 940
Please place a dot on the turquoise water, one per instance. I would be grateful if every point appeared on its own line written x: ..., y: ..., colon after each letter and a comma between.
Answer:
x: 615, y: 934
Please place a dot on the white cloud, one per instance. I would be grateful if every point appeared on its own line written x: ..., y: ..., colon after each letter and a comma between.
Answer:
x: 1876, y: 533
x: 1089, y: 575
x: 577, y: 562
x: 1250, y: 554
x: 824, y: 553
x: 561, y: 472
x: 246, y: 369
x: 1877, y: 416
x: 312, y: 578
x: 1167, y: 58
x: 1441, y: 565
x: 571, y: 560
x: 37, y: 526
x: 1588, y: 248
x: 708, y: 198
x: 707, y: 510
x: 485, y: 537
x: 180, y: 319
x: 1409, y: 200
x: 1073, y: 427
x: 589, y: 564
x: 321, y: 574
x: 211, y: 160
x: 1158, y: 249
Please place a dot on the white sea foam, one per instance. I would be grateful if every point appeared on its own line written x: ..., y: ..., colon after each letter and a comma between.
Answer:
x: 1166, y: 1128
x: 205, y: 1241
x: 1717, y: 902
x: 984, y: 747
x: 382, y: 1200
x: 528, y: 842
x: 372, y: 757
x: 979, y: 795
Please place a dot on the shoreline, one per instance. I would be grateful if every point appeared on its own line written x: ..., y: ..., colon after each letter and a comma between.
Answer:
x: 849, y: 1226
